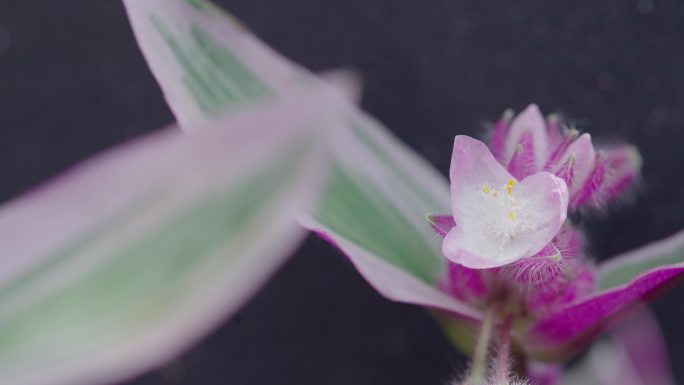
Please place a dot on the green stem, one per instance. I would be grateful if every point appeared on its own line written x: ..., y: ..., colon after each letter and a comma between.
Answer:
x: 478, y: 370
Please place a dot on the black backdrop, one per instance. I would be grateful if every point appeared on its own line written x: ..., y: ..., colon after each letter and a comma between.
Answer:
x: 73, y: 82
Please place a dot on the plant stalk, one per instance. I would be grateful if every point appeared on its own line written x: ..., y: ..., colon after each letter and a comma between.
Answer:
x: 502, y: 364
x: 478, y: 369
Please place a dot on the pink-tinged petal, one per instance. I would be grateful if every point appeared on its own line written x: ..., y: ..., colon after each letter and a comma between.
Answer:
x: 498, y: 139
x: 620, y: 169
x: 575, y: 165
x: 472, y: 244
x: 569, y: 328
x: 547, y: 196
x: 530, y: 123
x: 441, y: 223
x: 455, y: 248
x: 472, y: 164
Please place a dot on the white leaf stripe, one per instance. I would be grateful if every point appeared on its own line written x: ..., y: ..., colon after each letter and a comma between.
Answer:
x: 204, y: 60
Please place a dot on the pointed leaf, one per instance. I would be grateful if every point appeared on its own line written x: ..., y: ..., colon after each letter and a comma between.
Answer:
x: 379, y: 191
x: 118, y: 265
x: 204, y: 60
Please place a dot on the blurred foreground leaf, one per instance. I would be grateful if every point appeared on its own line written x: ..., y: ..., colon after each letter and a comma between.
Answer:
x: 121, y: 263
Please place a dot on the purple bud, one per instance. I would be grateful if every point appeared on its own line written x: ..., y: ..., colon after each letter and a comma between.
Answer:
x: 567, y: 139
x: 522, y: 162
x: 567, y: 171
x: 620, y: 167
x: 575, y: 165
x: 529, y: 130
x: 593, y: 183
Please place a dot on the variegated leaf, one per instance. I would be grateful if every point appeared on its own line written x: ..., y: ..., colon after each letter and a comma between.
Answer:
x: 125, y: 260
x: 380, y: 190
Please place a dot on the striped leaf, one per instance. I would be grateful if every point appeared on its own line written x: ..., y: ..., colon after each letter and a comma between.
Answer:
x: 119, y: 264
x: 204, y: 61
x: 380, y: 190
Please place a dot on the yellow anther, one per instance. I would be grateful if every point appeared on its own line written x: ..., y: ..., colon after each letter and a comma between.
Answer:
x: 485, y: 189
x: 511, y: 215
x: 511, y: 183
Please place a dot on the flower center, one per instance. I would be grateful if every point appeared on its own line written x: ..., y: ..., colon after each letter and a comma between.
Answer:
x: 502, y: 213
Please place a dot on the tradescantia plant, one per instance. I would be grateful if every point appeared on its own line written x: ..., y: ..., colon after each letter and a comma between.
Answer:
x: 110, y: 285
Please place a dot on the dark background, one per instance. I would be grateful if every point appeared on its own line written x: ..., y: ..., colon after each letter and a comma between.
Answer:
x: 72, y: 82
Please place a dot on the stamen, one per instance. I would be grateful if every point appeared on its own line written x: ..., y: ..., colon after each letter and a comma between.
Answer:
x: 511, y: 215
x: 511, y: 183
x: 485, y: 189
